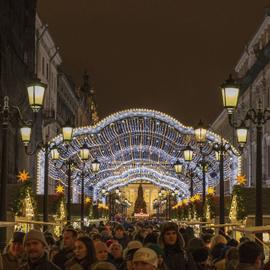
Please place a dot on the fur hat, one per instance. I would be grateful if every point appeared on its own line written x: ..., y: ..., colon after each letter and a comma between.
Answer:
x: 35, y: 235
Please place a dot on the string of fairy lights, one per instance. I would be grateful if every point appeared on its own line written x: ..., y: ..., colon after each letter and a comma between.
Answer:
x: 135, y: 144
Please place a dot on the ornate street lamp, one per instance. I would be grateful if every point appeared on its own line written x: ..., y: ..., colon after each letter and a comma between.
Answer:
x: 230, y: 93
x: 36, y: 91
x: 241, y: 134
x: 67, y: 132
x: 25, y: 132
x: 188, y: 154
x: 178, y: 167
x: 55, y: 153
x: 95, y: 165
x: 200, y: 133
x: 84, y: 152
x: 258, y: 116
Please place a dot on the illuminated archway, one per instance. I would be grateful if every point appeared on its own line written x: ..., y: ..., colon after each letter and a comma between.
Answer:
x: 136, y: 144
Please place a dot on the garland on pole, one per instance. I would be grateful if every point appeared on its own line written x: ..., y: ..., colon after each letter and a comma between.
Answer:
x: 210, y: 207
x: 25, y: 204
x: 238, y: 210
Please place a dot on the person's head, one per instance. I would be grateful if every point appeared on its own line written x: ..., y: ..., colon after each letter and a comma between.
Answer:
x: 194, y: 244
x: 103, y: 266
x: 250, y: 253
x: 200, y: 255
x: 232, y: 254
x: 69, y: 238
x: 16, y: 247
x: 84, y: 249
x: 206, y: 237
x: 148, y: 229
x: 219, y: 251
x: 159, y: 251
x: 35, y: 244
x: 101, y: 251
x: 151, y: 238
x: 138, y: 226
x: 119, y: 232
x: 129, y: 252
x: 218, y: 239
x: 170, y: 236
x: 145, y: 259
x: 116, y: 250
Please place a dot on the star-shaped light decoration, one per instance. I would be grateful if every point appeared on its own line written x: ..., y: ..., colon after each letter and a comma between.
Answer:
x: 180, y: 204
x: 197, y: 197
x: 192, y: 199
x: 241, y: 180
x: 60, y: 189
x: 23, y: 176
x: 210, y: 191
x: 185, y: 201
x: 87, y: 200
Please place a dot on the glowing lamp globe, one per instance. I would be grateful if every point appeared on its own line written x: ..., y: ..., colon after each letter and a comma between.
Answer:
x: 25, y: 134
x: 230, y: 94
x: 36, y: 91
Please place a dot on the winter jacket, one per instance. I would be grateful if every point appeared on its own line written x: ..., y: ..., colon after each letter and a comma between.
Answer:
x: 11, y: 262
x: 245, y: 266
x: 42, y: 264
x: 75, y: 264
x: 62, y: 257
x: 177, y: 258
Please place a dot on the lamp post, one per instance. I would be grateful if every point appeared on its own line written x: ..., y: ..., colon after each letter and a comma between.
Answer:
x: 47, y: 148
x: 67, y: 134
x: 84, y: 155
x: 258, y: 116
x: 200, y: 137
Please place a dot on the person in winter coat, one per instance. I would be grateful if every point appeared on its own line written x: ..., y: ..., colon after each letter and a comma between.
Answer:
x: 36, y: 249
x: 176, y: 257
x: 15, y: 255
x: 65, y: 254
x: 116, y: 254
x: 84, y: 255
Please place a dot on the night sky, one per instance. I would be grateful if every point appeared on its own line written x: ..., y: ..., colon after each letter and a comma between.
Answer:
x: 167, y: 55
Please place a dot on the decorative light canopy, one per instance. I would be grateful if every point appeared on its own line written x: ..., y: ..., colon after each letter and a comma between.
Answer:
x: 36, y: 91
x: 25, y: 132
x: 121, y: 143
x: 230, y: 93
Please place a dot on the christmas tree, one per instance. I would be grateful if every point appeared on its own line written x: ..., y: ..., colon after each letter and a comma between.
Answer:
x: 140, y: 204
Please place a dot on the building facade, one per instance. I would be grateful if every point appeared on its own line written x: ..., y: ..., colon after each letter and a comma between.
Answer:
x: 253, y: 72
x: 17, y: 57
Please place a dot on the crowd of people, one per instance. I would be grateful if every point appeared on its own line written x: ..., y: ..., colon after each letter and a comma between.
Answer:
x: 128, y: 246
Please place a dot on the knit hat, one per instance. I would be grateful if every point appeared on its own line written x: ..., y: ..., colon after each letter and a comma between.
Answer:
x: 146, y: 255
x: 18, y: 237
x: 35, y: 235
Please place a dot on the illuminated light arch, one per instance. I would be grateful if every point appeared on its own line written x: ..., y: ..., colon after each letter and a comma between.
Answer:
x: 136, y: 144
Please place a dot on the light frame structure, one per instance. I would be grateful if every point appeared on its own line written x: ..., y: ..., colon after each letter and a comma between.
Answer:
x: 132, y: 145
